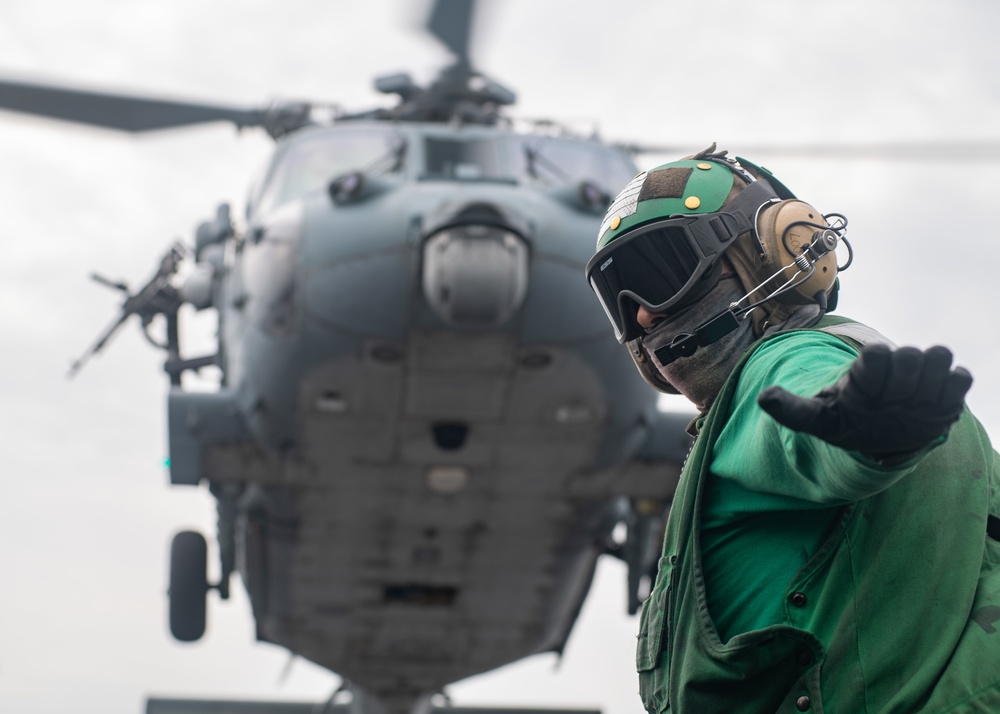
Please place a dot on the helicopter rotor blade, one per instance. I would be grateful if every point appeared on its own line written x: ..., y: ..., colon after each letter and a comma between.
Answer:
x: 116, y: 111
x: 930, y: 150
x: 451, y: 22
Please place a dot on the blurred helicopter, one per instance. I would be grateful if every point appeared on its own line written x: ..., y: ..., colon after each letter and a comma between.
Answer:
x: 424, y: 436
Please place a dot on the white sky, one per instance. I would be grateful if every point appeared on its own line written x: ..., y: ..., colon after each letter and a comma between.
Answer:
x: 86, y: 513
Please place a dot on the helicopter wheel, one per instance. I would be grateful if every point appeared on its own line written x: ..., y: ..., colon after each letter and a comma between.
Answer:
x: 188, y: 585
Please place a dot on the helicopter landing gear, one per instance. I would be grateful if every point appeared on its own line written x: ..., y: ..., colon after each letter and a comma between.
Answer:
x: 188, y: 585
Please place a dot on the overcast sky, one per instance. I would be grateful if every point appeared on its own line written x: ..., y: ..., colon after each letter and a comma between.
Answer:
x: 86, y: 513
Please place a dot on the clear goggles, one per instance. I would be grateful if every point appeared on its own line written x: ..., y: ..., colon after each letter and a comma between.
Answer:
x: 668, y: 264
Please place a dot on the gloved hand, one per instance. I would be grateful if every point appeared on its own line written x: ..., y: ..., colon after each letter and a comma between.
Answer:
x: 891, y: 403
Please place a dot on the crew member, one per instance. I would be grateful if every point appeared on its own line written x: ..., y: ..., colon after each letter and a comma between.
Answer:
x: 834, y: 542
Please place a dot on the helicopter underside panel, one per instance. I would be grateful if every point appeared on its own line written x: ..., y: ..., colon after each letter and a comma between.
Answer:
x: 430, y: 531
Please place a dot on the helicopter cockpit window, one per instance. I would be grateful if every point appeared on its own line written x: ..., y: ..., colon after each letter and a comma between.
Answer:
x: 557, y: 162
x: 466, y: 160
x: 309, y: 164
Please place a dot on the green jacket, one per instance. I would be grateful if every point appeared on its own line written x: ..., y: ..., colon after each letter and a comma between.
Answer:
x: 896, y: 609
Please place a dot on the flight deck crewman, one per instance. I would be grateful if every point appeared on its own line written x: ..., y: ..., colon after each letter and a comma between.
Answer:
x: 834, y: 542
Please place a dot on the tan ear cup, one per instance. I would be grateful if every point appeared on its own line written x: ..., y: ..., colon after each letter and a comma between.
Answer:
x: 784, y: 234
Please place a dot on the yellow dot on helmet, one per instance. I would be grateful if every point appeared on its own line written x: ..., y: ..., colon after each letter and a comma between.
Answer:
x: 692, y: 202
x: 615, y: 222
x: 704, y: 166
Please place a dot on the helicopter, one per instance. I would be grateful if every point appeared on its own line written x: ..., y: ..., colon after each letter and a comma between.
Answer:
x: 417, y: 455
x: 881, y: 180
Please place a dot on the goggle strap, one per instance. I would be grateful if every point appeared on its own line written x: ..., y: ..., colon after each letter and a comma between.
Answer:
x: 749, y: 200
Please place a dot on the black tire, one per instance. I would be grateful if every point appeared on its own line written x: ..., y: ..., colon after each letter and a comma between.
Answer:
x: 188, y: 585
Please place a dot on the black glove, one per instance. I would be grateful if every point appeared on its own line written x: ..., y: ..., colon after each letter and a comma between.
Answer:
x: 891, y: 403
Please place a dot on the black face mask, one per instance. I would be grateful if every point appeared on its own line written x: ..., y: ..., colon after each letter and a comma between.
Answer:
x: 700, y: 376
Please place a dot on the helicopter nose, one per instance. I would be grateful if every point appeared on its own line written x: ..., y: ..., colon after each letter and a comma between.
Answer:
x: 475, y: 275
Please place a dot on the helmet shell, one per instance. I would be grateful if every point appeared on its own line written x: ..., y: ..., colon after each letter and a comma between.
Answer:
x: 678, y: 188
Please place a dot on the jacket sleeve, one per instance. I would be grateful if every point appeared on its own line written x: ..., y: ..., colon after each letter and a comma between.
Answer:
x: 802, y: 471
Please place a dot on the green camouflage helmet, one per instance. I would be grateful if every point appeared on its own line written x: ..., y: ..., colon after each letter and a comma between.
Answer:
x: 684, y: 187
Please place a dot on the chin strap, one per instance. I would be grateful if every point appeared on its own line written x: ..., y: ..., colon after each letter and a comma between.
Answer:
x: 686, y: 343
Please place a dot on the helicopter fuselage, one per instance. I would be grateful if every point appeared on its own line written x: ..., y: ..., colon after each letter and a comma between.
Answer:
x: 426, y: 417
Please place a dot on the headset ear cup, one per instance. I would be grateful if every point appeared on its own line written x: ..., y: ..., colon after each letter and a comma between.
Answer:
x: 785, y: 231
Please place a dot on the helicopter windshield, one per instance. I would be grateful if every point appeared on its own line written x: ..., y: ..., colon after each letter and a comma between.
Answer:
x: 482, y: 159
x: 557, y: 162
x: 309, y: 163
x: 549, y: 161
